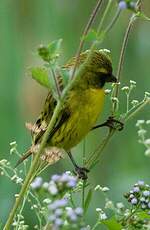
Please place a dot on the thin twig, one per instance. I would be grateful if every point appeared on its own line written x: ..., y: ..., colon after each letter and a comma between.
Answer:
x: 123, y: 49
x: 104, y: 16
x: 94, y: 157
x: 84, y: 182
x: 88, y: 26
x: 109, y: 27
x: 122, y: 53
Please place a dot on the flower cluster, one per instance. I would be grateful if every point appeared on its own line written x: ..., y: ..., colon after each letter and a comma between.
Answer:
x: 127, y: 4
x: 57, y: 185
x: 62, y: 215
x: 139, y: 196
x: 102, y: 214
x: 142, y: 135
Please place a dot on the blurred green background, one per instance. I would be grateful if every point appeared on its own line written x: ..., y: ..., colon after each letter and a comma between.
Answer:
x: 23, y: 26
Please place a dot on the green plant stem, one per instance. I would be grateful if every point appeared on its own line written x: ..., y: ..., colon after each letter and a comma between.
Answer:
x: 137, y: 110
x: 84, y: 182
x: 109, y: 27
x: 34, y: 164
x: 104, y: 15
x: 94, y: 157
x: 88, y: 26
x: 53, y: 120
x: 96, y: 225
x: 122, y: 53
x: 56, y: 82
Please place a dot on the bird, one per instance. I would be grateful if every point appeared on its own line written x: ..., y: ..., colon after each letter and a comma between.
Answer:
x: 82, y: 106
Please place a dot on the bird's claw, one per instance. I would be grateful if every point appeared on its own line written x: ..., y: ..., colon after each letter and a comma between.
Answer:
x: 112, y: 123
x: 82, y: 172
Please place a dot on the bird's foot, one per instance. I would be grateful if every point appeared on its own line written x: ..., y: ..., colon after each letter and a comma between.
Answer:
x: 113, y: 123
x: 81, y: 172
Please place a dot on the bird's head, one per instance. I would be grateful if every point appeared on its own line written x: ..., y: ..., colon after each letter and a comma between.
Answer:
x: 101, y: 66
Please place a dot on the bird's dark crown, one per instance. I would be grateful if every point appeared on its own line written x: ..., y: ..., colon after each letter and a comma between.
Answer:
x: 101, y: 66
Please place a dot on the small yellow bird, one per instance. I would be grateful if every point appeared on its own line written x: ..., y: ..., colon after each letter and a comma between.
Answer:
x: 82, y: 107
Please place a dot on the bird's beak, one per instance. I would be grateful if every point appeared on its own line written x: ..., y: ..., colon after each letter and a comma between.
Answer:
x: 111, y: 78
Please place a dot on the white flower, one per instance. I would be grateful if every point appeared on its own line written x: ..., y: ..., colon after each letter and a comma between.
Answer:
x: 102, y: 216
x: 147, y: 94
x: 120, y: 205
x: 52, y: 188
x: 139, y: 122
x: 109, y: 204
x: 132, y: 82
x: 147, y: 142
x: 141, y: 132
x: 99, y: 210
x: 107, y: 91
x: 147, y: 152
x: 134, y: 102
x: 45, y: 185
x: 115, y: 99
x: 19, y: 180
x: 125, y: 89
x: 3, y: 162
x: 13, y: 144
x: 105, y: 189
x: 47, y: 201
x: 98, y: 187
x: 148, y: 122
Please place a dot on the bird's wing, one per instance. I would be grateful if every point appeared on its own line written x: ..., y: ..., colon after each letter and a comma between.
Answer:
x: 64, y: 115
x: 43, y: 120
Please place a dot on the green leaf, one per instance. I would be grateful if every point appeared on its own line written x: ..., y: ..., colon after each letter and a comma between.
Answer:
x: 40, y: 74
x: 54, y: 49
x: 112, y: 224
x: 88, y: 200
x: 143, y: 215
x: 91, y: 36
x: 50, y: 53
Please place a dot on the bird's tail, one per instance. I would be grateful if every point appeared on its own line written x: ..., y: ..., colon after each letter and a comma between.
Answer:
x: 24, y: 157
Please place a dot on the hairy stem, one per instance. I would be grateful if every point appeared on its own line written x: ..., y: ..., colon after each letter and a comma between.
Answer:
x: 88, y: 26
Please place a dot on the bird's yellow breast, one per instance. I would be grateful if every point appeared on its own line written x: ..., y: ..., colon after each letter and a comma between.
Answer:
x: 85, y: 107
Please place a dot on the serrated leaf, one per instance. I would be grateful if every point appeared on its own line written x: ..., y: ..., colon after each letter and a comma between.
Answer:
x: 88, y: 200
x: 112, y: 224
x: 40, y: 74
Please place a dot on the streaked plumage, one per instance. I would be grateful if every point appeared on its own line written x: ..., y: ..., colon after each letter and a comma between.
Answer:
x: 82, y: 106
